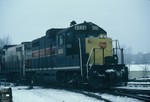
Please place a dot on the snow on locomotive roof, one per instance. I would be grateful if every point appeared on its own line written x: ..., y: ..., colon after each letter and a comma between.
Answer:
x: 138, y: 67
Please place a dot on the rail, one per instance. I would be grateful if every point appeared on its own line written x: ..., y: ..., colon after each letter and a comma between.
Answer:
x: 87, y: 64
x: 137, y: 94
x: 115, y: 50
x: 89, y: 94
x: 139, y: 84
x: 94, y: 96
x: 80, y: 56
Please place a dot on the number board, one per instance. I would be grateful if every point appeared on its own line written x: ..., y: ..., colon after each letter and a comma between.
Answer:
x: 80, y: 27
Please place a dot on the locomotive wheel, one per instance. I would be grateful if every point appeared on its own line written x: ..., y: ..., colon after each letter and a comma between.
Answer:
x: 96, y: 83
x: 73, y: 80
x: 124, y: 83
x: 76, y: 80
x: 69, y: 79
x: 60, y: 77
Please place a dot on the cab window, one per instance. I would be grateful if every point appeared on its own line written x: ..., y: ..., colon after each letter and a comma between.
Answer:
x: 61, y: 40
x: 69, y: 37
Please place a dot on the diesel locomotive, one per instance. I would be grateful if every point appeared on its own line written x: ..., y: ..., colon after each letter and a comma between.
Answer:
x: 81, y: 54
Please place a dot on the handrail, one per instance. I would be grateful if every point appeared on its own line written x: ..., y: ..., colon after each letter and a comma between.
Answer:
x: 80, y: 56
x: 119, y: 48
x: 87, y: 69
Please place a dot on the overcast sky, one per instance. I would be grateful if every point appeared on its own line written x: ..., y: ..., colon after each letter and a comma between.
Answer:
x: 125, y: 20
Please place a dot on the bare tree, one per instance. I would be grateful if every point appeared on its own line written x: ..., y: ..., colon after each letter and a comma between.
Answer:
x: 146, y: 65
x: 127, y: 54
x: 4, y: 41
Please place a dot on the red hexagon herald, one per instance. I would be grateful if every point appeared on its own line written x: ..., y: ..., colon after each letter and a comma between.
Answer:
x: 102, y: 45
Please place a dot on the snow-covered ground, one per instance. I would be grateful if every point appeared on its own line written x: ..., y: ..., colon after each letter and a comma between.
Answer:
x: 22, y: 94
x: 119, y: 98
x: 138, y: 67
x: 139, y: 72
x: 38, y: 94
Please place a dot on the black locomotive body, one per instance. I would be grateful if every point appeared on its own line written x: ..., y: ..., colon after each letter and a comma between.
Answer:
x: 77, y: 55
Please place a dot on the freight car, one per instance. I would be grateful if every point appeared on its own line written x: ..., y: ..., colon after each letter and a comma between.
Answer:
x: 14, y: 59
x: 78, y: 55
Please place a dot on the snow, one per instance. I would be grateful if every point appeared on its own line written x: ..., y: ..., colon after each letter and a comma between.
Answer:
x: 142, y: 83
x: 48, y: 95
x: 39, y: 94
x: 119, y: 98
x: 137, y: 67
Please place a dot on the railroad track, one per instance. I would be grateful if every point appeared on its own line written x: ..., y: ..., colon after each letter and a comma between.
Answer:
x: 80, y: 91
x: 143, y: 95
x: 113, y: 91
x: 97, y: 94
x: 90, y: 94
x: 143, y: 98
x: 139, y: 84
x: 131, y: 91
